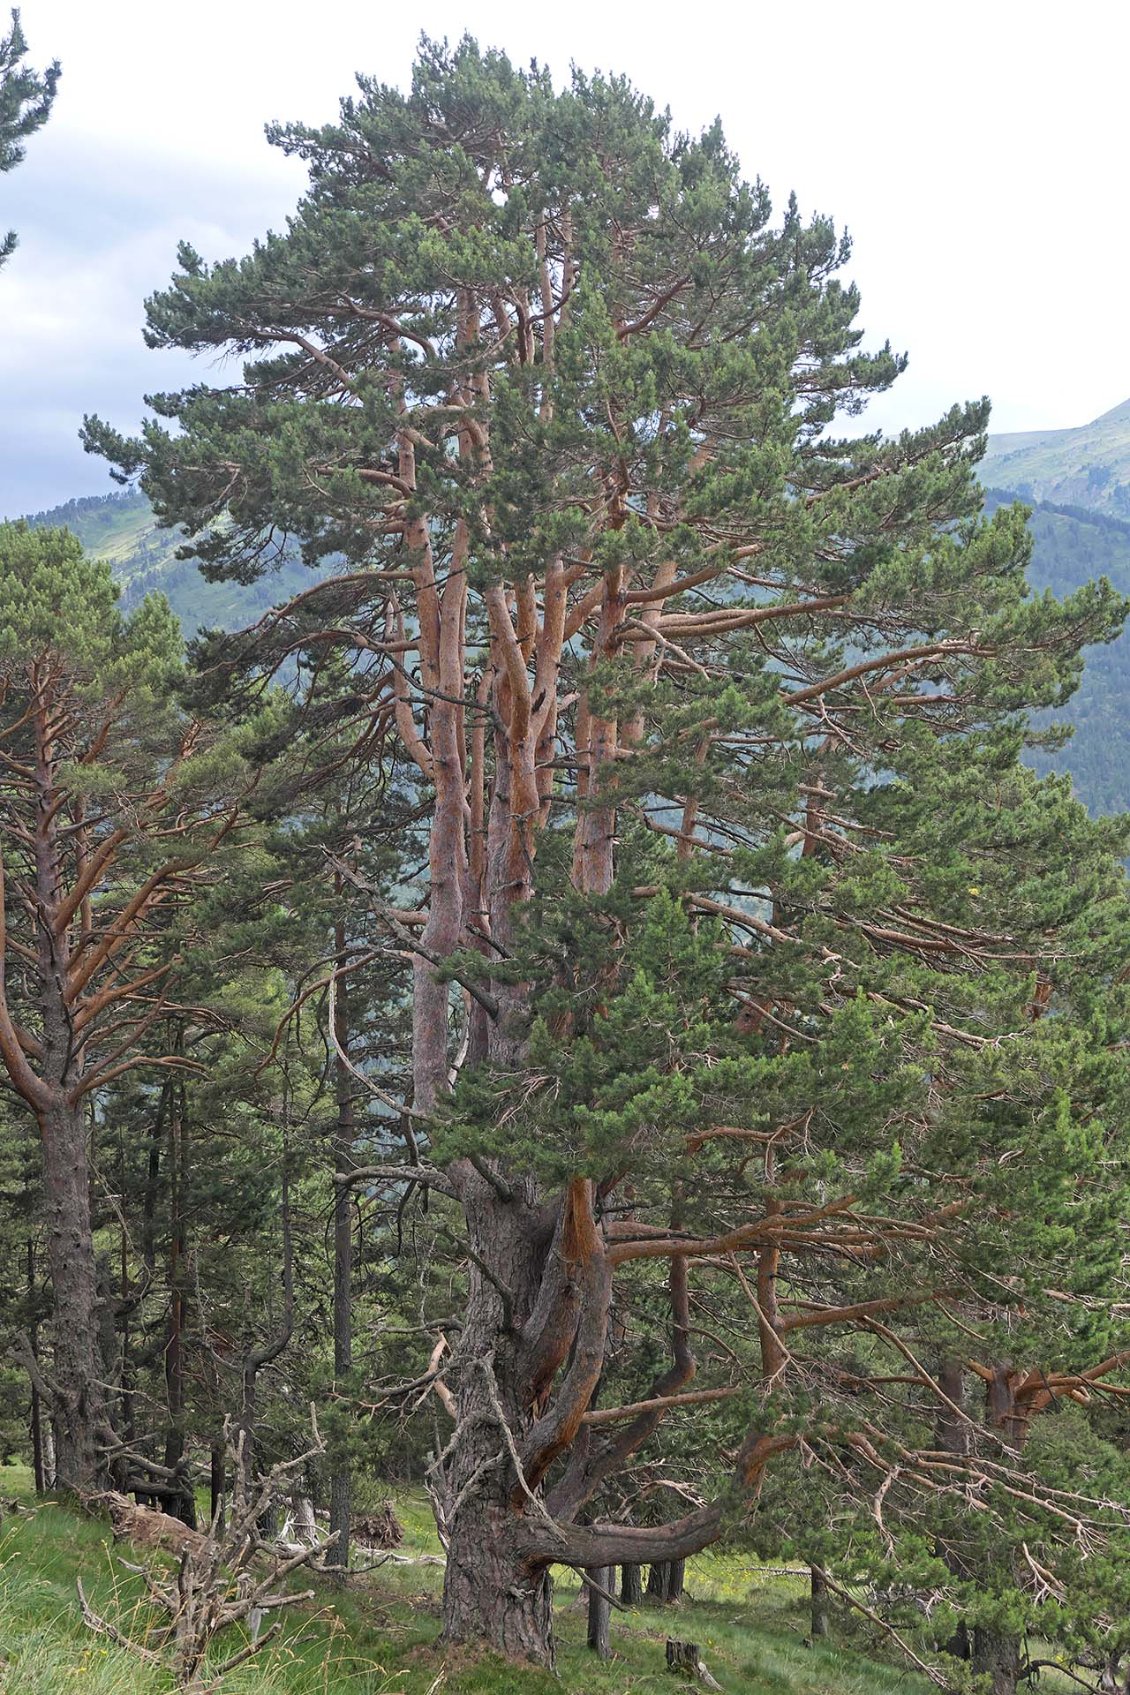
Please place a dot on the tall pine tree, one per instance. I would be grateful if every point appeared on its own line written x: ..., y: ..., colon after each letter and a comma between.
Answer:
x: 712, y: 706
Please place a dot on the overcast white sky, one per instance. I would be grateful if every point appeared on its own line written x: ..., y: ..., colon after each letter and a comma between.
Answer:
x: 976, y: 152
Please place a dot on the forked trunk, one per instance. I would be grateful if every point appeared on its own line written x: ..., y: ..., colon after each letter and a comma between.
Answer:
x: 76, y: 1369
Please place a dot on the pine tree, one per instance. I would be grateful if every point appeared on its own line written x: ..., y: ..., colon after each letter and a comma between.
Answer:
x: 113, y: 802
x: 725, y: 923
x: 26, y: 98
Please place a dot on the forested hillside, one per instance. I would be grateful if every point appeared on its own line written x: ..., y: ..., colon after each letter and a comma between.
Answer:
x: 120, y: 528
x: 1072, y: 545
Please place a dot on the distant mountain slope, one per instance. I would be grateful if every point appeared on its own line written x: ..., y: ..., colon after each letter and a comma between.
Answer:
x: 120, y: 528
x: 1072, y: 544
x: 1087, y: 467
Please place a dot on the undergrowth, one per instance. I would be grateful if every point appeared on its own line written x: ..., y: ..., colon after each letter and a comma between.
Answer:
x: 379, y: 1636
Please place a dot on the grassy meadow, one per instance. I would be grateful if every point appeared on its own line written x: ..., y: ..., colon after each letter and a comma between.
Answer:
x: 379, y: 1636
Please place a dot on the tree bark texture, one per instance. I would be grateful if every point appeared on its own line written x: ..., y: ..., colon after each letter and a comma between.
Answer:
x: 996, y: 1656
x: 76, y: 1367
x: 820, y: 1623
x: 600, y: 1611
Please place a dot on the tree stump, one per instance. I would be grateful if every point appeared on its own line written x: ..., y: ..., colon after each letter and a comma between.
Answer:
x: 684, y: 1659
x: 378, y: 1529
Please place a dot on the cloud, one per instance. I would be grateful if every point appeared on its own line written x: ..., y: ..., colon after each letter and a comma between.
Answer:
x: 97, y: 235
x: 976, y: 157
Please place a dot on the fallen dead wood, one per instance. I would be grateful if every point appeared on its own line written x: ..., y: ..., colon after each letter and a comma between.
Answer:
x: 147, y: 1527
x: 380, y: 1529
x: 384, y: 1557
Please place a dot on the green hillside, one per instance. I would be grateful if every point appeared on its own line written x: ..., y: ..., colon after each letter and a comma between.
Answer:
x: 1087, y: 467
x: 121, y: 529
x: 379, y: 1637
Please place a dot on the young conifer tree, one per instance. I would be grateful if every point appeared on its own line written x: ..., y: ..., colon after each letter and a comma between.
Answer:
x: 710, y: 703
x: 111, y: 804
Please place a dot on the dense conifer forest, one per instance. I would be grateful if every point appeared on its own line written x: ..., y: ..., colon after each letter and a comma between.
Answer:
x: 565, y: 1052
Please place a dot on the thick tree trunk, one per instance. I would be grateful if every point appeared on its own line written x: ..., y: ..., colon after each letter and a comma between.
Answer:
x: 996, y: 1655
x: 493, y: 1592
x: 658, y: 1578
x: 76, y: 1368
x: 631, y: 1585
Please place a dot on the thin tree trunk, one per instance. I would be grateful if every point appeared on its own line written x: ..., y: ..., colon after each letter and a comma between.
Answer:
x: 182, y: 1505
x: 36, y: 1426
x: 820, y: 1622
x: 600, y: 1610
x: 36, y: 1416
x: 256, y: 1358
x: 76, y: 1361
x: 345, y: 1133
x: 217, y: 1479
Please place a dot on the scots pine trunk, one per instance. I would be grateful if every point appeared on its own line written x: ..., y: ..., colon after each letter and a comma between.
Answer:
x: 181, y: 1502
x: 344, y: 1137
x: 601, y: 1580
x: 657, y: 1581
x: 492, y: 1592
x: 76, y: 1367
x: 996, y: 1657
x: 76, y: 1363
x: 819, y: 1624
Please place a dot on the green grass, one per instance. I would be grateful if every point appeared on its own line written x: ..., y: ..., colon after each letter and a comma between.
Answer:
x: 379, y: 1638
